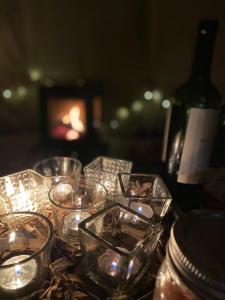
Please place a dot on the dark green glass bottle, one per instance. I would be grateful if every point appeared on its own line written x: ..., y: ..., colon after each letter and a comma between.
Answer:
x: 191, y: 124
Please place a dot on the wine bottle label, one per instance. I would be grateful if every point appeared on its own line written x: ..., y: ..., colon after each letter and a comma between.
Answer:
x: 200, y: 133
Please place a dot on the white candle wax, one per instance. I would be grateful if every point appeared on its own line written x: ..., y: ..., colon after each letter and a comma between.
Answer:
x: 18, y: 276
x: 72, y: 220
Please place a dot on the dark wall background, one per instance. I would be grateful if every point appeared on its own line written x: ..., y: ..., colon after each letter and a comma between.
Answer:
x: 129, y: 46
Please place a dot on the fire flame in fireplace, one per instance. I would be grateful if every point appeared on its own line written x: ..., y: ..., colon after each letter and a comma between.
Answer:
x: 68, y: 120
x: 73, y: 119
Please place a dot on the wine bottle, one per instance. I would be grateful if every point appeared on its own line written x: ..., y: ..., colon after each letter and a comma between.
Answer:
x: 191, y: 124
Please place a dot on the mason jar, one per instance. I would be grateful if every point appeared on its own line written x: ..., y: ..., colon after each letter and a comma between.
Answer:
x: 194, y: 265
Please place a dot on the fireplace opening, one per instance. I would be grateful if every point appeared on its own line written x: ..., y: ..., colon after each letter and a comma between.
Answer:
x: 70, y: 114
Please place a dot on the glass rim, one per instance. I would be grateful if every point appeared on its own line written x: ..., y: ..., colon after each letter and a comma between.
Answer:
x: 89, y: 165
x: 156, y: 228
x: 52, y: 158
x: 72, y: 208
x: 43, y: 247
x: 21, y: 172
x: 165, y: 198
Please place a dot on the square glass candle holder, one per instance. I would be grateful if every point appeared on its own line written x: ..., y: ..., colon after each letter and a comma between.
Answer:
x: 26, y: 241
x: 59, y: 168
x: 117, y: 245
x: 70, y: 206
x: 104, y: 170
x: 23, y: 191
x: 146, y: 194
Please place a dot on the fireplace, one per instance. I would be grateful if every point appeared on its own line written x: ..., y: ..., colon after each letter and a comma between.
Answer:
x: 70, y: 114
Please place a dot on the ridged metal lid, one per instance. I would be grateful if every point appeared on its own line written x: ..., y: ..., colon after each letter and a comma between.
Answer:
x: 196, y: 252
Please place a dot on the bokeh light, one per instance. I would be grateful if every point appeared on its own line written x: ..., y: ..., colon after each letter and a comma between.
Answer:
x: 137, y: 106
x: 114, y: 124
x: 7, y: 93
x: 123, y: 112
x: 148, y: 95
x: 166, y: 103
x: 157, y: 95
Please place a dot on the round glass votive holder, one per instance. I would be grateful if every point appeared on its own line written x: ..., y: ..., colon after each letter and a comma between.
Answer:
x: 71, y: 206
x: 58, y: 168
x: 26, y: 241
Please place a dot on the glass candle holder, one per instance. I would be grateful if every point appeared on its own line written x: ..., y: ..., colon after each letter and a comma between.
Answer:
x: 104, y: 170
x: 23, y: 191
x: 26, y: 241
x: 117, y: 245
x: 145, y: 193
x: 70, y: 206
x: 58, y: 168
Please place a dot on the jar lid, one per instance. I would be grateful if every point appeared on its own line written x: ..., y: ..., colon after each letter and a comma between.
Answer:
x: 196, y: 252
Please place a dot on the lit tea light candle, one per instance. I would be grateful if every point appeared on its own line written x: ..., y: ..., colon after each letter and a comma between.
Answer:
x: 142, y: 209
x: 62, y: 192
x: 71, y: 222
x: 110, y: 263
x: 19, y: 275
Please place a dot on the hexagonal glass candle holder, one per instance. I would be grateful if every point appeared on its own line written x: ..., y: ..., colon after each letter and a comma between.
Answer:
x: 146, y: 194
x: 117, y: 246
x: 24, y: 191
x: 104, y: 170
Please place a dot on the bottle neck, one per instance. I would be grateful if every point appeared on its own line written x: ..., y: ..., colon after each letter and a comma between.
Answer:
x: 204, y: 50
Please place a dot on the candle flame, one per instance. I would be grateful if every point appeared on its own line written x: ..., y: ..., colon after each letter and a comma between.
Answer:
x: 79, y: 201
x: 9, y: 187
x: 18, y: 270
x: 12, y: 237
x: 77, y: 217
x: 21, y: 187
x: 139, y: 209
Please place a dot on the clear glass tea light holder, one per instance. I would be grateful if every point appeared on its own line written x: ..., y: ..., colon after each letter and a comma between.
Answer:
x: 26, y: 241
x: 59, y: 168
x: 146, y: 194
x: 104, y: 170
x: 70, y: 206
x: 24, y: 191
x: 117, y: 245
